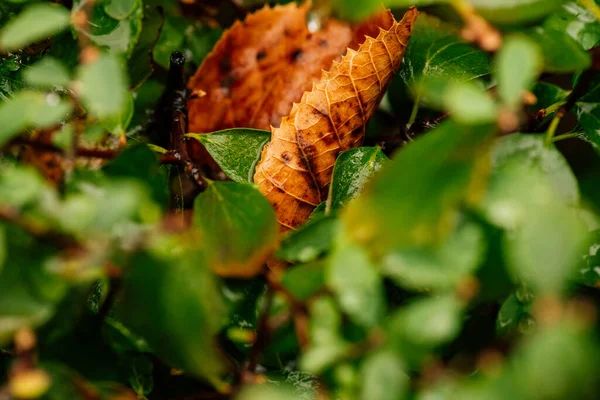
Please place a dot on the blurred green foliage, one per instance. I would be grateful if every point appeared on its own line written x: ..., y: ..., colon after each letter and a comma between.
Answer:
x: 461, y: 264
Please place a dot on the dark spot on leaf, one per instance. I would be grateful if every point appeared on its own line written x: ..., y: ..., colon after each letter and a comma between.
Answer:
x: 296, y: 55
x: 286, y: 157
x: 225, y: 65
x: 260, y: 55
x: 323, y: 43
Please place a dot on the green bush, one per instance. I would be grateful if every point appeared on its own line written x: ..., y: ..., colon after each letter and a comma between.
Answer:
x: 466, y: 268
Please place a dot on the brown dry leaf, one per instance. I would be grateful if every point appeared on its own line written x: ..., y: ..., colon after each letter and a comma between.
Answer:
x: 296, y: 166
x: 262, y: 65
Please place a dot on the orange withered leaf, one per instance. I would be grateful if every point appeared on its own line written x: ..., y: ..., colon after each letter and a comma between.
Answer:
x: 262, y: 65
x: 296, y: 166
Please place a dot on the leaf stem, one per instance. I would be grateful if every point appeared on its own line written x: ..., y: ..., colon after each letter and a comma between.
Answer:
x: 552, y: 128
x: 414, y: 112
x: 565, y: 136
x: 592, y: 7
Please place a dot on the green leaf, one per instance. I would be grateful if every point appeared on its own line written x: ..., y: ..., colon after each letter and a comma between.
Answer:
x: 559, y: 362
x: 48, y: 73
x: 309, y: 242
x: 141, y: 65
x: 3, y: 244
x: 548, y: 95
x: 511, y: 12
x: 327, y: 345
x: 116, y: 35
x: 440, y: 269
x: 268, y: 392
x: 435, y: 50
x: 355, y: 280
x: 141, y: 163
x: 353, y: 168
x: 428, y: 321
x: 103, y: 86
x: 238, y: 227
x: 572, y: 56
x: 200, y: 40
x: 383, y: 377
x: 544, y: 251
x: 29, y: 109
x: 589, y: 269
x: 29, y: 292
x: 578, y: 22
x: 304, y: 280
x: 140, y: 378
x: 413, y: 199
x: 36, y: 22
x: 171, y: 39
x: 171, y: 299
x: 511, y: 197
x: 588, y: 115
x: 118, y: 123
x: 120, y: 9
x: 515, y: 78
x: 511, y: 312
x: 466, y: 101
x: 21, y: 186
x: 237, y: 151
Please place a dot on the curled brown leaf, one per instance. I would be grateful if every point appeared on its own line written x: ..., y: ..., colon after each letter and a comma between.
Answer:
x: 296, y: 166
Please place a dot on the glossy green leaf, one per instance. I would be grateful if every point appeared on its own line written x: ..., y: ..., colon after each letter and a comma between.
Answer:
x: 588, y: 115
x: 173, y: 302
x: 118, y: 35
x: 237, y: 151
x: 353, y: 168
x: 515, y: 78
x: 304, y: 280
x: 30, y: 109
x: 511, y: 313
x: 103, y: 86
x: 435, y: 50
x: 36, y: 22
x: 48, y: 73
x: 120, y: 9
x: 440, y: 269
x: 549, y: 99
x: 428, y: 321
x: 578, y: 22
x: 383, y: 377
x: 238, y: 226
x: 309, y: 242
x: 572, y: 56
x: 413, y: 199
x: 355, y: 280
